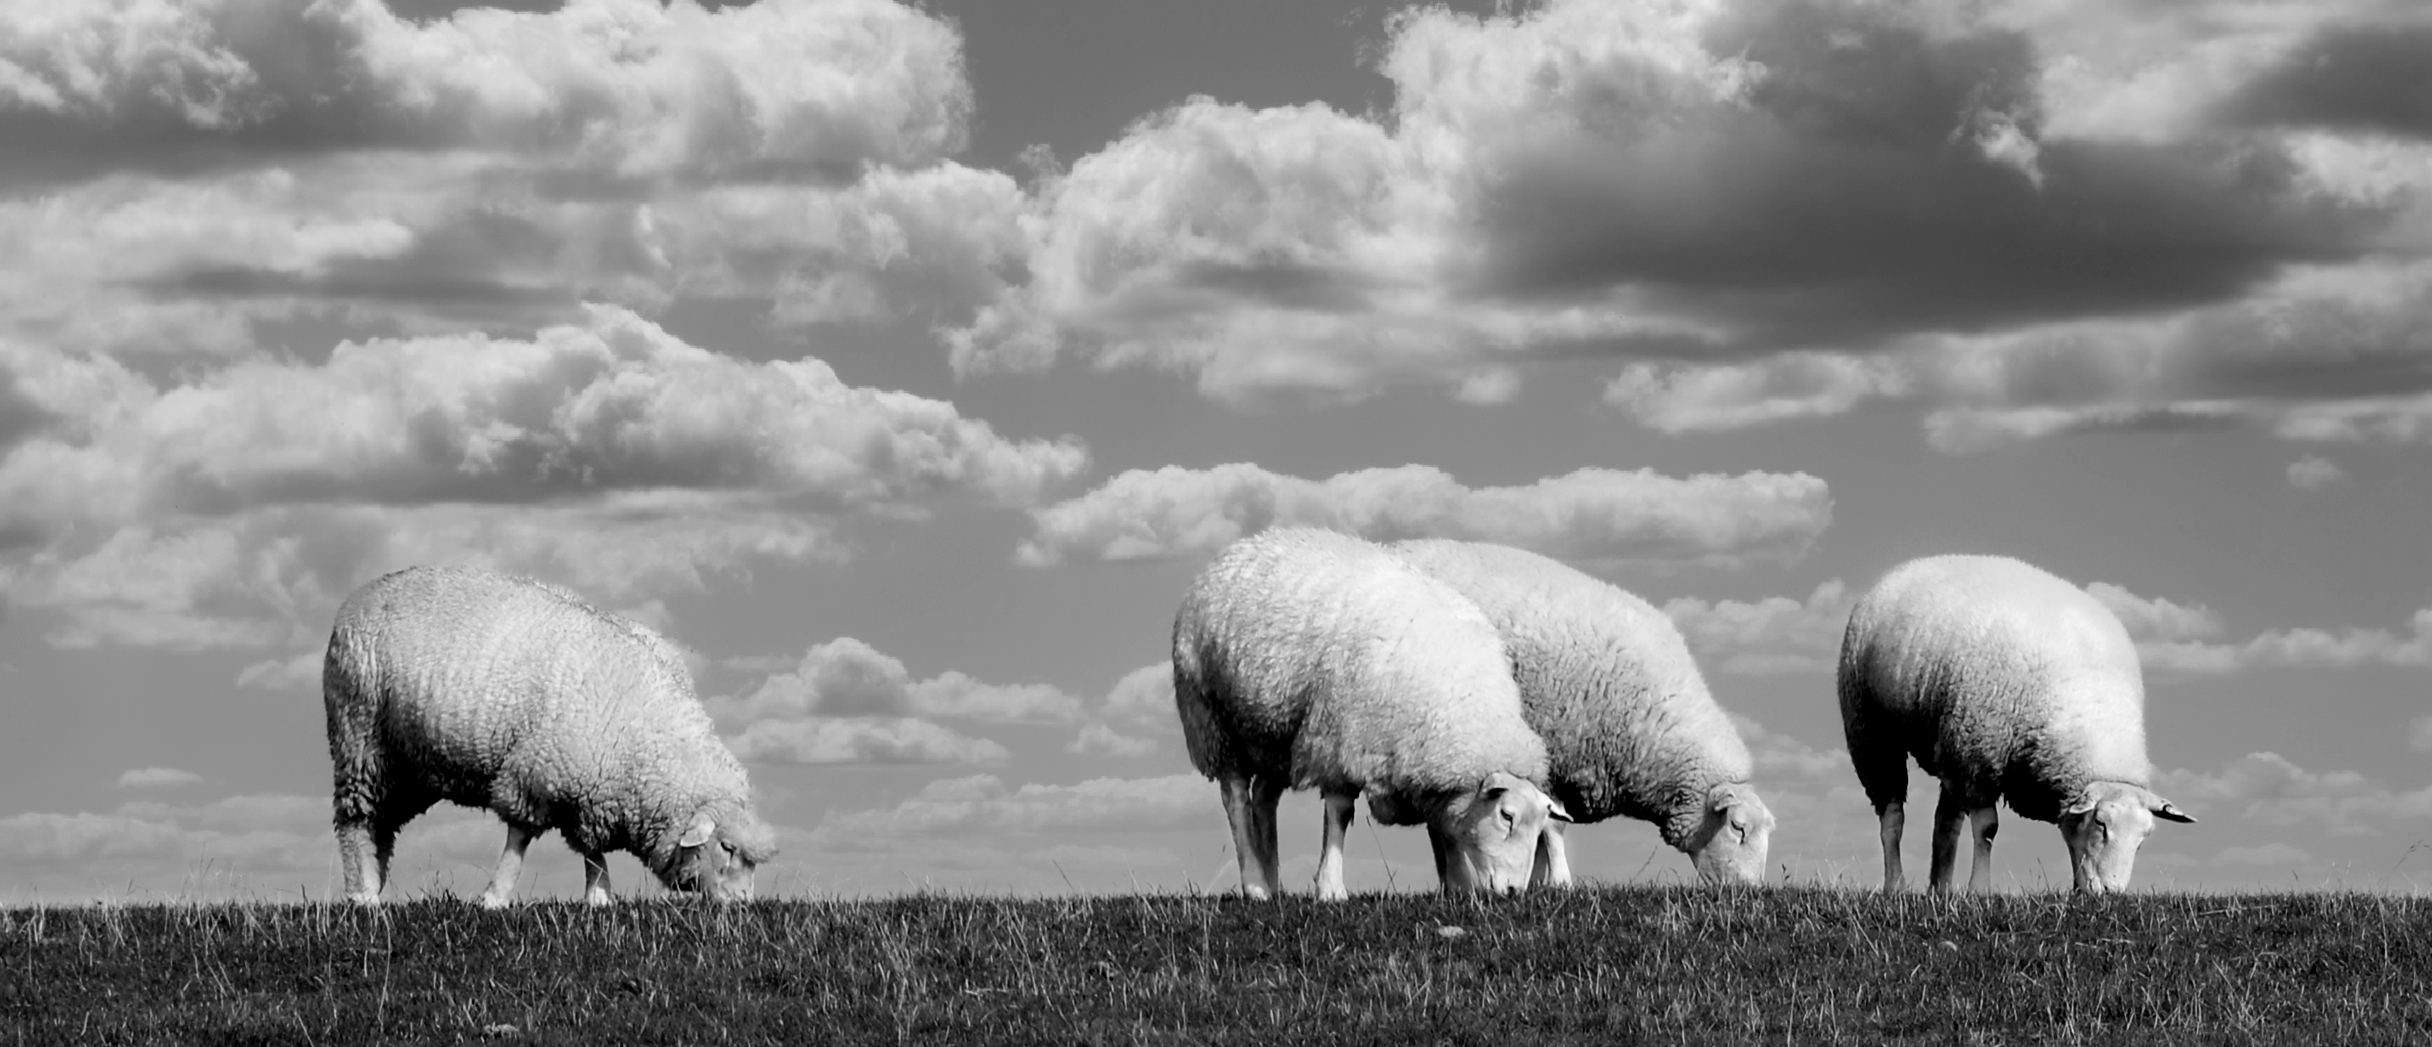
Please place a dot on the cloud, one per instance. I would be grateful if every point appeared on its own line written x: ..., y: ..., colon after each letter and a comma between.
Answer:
x: 2358, y: 76
x: 620, y: 88
x: 300, y: 672
x: 193, y: 177
x: 861, y: 740
x: 2300, y: 648
x: 157, y: 778
x: 1765, y: 210
x: 1135, y: 717
x: 234, y: 508
x: 2314, y: 472
x: 985, y: 804
x: 2156, y: 619
x: 1776, y: 634
x: 1590, y: 515
x: 847, y: 677
x: 2266, y: 787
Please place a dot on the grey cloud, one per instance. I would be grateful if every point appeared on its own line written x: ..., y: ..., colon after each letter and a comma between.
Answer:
x: 2374, y: 78
x: 1851, y: 199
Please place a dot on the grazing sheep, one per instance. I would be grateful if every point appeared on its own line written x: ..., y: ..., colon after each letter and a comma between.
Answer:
x: 510, y: 694
x: 2005, y: 683
x: 1629, y: 727
x: 1309, y: 659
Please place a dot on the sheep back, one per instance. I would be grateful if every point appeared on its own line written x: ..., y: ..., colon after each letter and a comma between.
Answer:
x: 501, y: 692
x: 1607, y: 682
x: 1998, y: 677
x: 1321, y: 658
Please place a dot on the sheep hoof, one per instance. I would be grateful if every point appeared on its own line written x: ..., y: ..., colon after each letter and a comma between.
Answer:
x: 493, y: 901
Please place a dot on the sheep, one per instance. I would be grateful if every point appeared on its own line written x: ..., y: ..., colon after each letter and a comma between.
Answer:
x: 506, y: 693
x: 2006, y: 683
x: 1305, y: 658
x: 1629, y: 727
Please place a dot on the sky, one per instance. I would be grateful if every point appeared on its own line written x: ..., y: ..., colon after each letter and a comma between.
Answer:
x: 904, y: 362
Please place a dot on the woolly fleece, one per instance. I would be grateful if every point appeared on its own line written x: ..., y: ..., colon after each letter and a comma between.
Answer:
x: 1605, y: 680
x: 2005, y: 682
x: 505, y: 693
x: 1324, y: 660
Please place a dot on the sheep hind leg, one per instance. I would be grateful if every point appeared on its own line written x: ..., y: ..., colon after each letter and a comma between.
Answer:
x: 1241, y: 813
x: 1891, y: 819
x: 510, y: 863
x: 1265, y: 793
x: 1950, y: 817
x: 1986, y: 821
x: 1339, y: 809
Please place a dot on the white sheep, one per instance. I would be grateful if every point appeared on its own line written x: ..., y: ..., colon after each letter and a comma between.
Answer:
x: 2005, y: 683
x: 1629, y: 726
x: 502, y: 692
x: 1309, y: 659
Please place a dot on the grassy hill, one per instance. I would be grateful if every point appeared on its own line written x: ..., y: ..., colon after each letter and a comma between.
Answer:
x: 1610, y: 965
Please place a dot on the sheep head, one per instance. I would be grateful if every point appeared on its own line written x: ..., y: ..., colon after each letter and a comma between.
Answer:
x: 1494, y: 832
x: 1729, y: 844
x: 2104, y: 826
x: 718, y: 854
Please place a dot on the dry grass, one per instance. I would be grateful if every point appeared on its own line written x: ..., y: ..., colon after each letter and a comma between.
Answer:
x: 1616, y: 965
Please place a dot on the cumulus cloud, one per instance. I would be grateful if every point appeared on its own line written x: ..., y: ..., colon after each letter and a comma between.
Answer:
x: 198, y: 172
x: 1590, y: 515
x: 1775, y: 634
x: 844, y: 701
x: 846, y: 677
x: 157, y: 778
x: 881, y: 740
x: 2268, y: 788
x: 227, y: 509
x: 2300, y: 648
x: 1770, y: 211
x: 1135, y: 717
x: 984, y: 803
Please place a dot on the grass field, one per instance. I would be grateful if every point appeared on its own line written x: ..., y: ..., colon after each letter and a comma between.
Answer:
x: 1613, y: 965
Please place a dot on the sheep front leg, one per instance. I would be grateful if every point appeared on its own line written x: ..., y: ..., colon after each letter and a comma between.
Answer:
x: 1986, y: 822
x: 510, y: 862
x: 1553, y: 868
x: 1892, y: 819
x: 1330, y: 854
x: 1950, y: 816
x: 595, y: 878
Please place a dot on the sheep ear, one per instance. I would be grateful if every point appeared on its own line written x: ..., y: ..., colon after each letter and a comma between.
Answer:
x: 2168, y: 810
x: 699, y: 834
x: 2083, y: 805
x: 1497, y: 784
x: 1554, y: 810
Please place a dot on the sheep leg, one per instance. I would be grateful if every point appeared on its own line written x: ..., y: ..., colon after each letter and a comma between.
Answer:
x: 1553, y: 866
x: 1892, y: 818
x: 1240, y: 812
x: 1950, y: 817
x: 510, y: 862
x: 1986, y: 821
x: 361, y: 872
x: 1330, y: 853
x: 1450, y: 873
x: 595, y: 878
x: 1265, y: 793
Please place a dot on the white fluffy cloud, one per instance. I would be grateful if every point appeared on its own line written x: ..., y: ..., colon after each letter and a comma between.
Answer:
x: 189, y: 172
x: 1589, y: 515
x: 1780, y: 634
x: 984, y: 803
x: 847, y: 702
x: 232, y: 509
x: 872, y: 739
x: 1135, y: 718
x: 846, y: 677
x: 2314, y: 472
x: 1774, y: 211
x: 1776, y: 634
